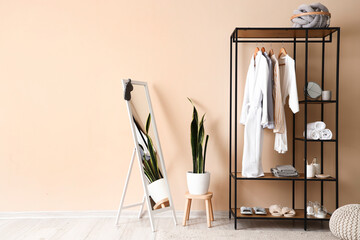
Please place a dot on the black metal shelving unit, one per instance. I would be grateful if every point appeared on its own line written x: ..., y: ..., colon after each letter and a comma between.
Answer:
x: 294, y: 36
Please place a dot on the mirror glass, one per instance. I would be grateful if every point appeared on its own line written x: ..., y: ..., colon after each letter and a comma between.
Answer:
x: 149, y: 151
x: 313, y: 90
x: 140, y: 112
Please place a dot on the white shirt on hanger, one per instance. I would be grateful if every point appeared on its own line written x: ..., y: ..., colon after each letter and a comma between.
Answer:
x: 288, y: 88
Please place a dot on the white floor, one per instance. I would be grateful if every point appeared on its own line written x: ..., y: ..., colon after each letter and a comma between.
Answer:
x: 103, y: 228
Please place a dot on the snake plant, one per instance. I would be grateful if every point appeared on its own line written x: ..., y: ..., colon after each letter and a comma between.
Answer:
x: 197, y: 133
x: 150, y: 162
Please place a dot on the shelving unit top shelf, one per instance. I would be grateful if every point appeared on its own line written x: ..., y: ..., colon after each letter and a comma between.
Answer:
x: 283, y: 32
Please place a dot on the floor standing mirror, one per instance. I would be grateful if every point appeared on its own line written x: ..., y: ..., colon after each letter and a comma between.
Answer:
x: 147, y: 149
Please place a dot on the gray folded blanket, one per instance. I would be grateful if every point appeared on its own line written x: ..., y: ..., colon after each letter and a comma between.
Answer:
x: 285, y: 168
x: 284, y: 171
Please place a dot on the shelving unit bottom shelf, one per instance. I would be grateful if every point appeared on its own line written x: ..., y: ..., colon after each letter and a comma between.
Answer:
x: 299, y: 216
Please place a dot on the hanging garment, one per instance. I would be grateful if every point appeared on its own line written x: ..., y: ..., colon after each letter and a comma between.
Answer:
x: 279, y: 113
x: 270, y: 107
x: 288, y: 88
x: 254, y: 115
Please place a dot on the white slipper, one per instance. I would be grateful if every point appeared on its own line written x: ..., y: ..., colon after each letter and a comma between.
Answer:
x: 288, y: 212
x: 260, y: 211
x: 275, y: 210
x: 246, y: 210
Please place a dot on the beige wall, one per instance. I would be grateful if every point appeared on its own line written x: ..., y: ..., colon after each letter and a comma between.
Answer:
x: 65, y: 141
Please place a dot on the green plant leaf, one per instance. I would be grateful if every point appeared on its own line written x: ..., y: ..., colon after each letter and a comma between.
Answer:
x: 200, y: 159
x: 148, y: 121
x: 193, y: 138
x: 153, y: 158
x: 190, y: 101
x: 147, y: 170
x: 205, y: 148
x: 148, y: 176
x: 201, y: 131
x: 150, y: 167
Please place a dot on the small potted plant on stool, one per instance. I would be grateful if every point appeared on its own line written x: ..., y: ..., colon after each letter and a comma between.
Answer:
x: 198, y: 180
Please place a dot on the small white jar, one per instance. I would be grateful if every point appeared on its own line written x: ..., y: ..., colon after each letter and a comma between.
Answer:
x: 310, y: 171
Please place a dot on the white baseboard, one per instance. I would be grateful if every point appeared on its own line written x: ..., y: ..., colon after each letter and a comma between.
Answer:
x: 100, y: 214
x: 58, y: 214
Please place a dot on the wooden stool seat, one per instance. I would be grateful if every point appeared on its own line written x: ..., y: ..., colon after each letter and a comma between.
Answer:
x: 209, y: 209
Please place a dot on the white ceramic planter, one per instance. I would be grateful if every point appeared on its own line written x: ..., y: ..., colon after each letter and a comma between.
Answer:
x: 198, y: 183
x: 158, y: 190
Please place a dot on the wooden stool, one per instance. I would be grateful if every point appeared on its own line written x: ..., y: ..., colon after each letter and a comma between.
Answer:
x: 209, y: 210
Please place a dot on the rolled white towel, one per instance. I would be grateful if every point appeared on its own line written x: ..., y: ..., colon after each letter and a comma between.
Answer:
x: 325, y: 134
x: 312, y: 134
x: 318, y: 125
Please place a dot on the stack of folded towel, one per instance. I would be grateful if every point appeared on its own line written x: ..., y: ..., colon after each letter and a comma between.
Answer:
x: 284, y: 171
x: 317, y: 130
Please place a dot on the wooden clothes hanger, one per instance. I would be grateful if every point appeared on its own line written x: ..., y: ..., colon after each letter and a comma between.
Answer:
x: 263, y: 49
x: 282, y: 52
x: 256, y: 51
x: 271, y: 52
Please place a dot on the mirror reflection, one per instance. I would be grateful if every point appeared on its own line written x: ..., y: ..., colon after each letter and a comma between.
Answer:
x: 145, y: 135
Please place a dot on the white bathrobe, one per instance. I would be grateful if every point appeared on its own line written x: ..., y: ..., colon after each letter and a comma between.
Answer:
x: 288, y: 88
x: 254, y: 115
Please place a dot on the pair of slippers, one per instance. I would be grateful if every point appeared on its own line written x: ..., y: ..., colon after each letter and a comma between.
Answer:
x: 249, y: 210
x: 277, y: 211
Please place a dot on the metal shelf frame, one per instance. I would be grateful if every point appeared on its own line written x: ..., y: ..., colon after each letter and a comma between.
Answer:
x: 294, y: 36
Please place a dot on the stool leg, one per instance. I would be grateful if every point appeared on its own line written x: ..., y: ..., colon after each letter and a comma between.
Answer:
x: 211, y: 210
x: 188, y: 210
x: 208, y: 212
